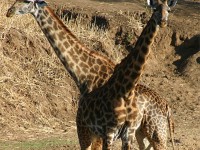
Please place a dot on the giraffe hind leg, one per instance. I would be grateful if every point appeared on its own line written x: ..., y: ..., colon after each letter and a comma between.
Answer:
x: 158, y: 139
x: 142, y: 140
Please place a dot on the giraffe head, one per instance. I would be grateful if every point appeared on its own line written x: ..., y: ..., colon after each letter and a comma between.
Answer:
x: 161, y: 10
x: 25, y: 7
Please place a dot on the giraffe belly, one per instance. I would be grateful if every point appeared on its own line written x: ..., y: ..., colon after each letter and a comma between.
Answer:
x: 117, y: 131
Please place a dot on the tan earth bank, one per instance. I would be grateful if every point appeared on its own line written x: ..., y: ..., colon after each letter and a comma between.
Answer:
x: 38, y: 99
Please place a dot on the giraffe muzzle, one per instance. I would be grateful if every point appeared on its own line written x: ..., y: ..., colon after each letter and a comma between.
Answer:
x: 163, y: 24
x: 10, y: 12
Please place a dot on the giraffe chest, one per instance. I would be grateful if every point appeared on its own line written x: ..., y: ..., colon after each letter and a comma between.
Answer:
x: 102, y: 117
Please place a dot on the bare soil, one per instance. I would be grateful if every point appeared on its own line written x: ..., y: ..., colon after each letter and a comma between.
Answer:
x: 38, y: 98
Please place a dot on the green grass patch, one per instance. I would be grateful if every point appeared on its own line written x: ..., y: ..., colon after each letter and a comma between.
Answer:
x: 36, y: 144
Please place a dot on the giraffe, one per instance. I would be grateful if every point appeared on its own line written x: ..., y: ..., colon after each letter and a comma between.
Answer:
x: 110, y: 111
x: 88, y: 68
x: 156, y: 117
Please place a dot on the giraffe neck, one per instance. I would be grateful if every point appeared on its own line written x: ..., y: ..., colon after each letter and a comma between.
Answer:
x: 76, y: 58
x: 127, y: 73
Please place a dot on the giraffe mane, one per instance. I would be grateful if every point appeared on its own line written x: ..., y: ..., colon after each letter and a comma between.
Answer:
x: 89, y: 52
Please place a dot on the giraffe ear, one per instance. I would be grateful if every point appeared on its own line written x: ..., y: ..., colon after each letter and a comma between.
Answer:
x: 172, y: 3
x: 29, y: 7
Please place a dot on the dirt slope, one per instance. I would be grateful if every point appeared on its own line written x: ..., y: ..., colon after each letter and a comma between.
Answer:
x: 38, y: 98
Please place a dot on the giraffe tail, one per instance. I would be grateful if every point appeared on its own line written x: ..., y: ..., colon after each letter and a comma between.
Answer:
x: 171, y: 125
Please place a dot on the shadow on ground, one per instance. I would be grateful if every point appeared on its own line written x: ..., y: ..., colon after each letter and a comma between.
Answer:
x: 186, y: 50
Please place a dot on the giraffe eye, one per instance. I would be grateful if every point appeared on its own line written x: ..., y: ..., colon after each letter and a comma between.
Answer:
x: 11, y: 10
x: 155, y: 9
x: 20, y: 11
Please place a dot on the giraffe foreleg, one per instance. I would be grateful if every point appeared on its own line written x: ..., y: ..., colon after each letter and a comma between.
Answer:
x: 127, y: 139
x: 85, y: 137
x: 97, y: 143
x: 107, y: 142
